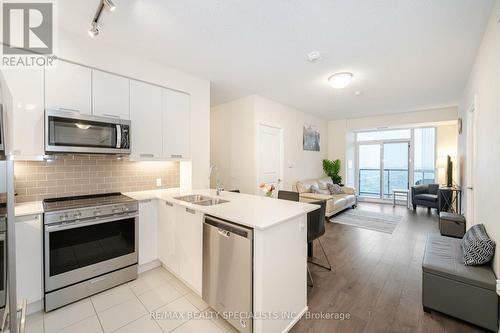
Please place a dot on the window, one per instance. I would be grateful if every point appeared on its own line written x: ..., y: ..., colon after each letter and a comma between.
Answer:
x: 400, y: 134
x: 424, y: 156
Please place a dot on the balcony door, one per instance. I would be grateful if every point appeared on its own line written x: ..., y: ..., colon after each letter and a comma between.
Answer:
x: 383, y: 167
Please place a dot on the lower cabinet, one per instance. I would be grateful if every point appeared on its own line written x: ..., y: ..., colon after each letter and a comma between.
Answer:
x: 180, y: 238
x: 29, y: 258
x: 148, y: 230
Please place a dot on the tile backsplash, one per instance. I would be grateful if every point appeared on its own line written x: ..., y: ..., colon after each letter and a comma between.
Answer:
x: 88, y: 174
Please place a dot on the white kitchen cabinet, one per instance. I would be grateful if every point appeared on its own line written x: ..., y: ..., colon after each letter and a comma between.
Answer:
x: 167, y: 236
x: 188, y: 246
x: 176, y: 124
x: 68, y: 87
x: 29, y: 258
x: 148, y: 230
x: 23, y: 101
x: 145, y: 114
x: 110, y: 95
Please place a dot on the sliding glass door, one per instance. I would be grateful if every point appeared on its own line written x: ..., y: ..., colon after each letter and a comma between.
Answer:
x: 396, y: 167
x: 383, y: 167
x: 369, y: 170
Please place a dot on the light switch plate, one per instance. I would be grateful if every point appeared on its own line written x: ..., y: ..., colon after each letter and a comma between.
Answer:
x: 158, y: 182
x: 498, y: 287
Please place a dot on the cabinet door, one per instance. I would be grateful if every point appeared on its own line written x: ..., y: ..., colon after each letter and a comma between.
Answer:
x: 110, y: 95
x: 29, y: 258
x: 68, y: 87
x: 145, y: 114
x: 166, y: 236
x: 189, y: 239
x: 23, y: 101
x: 176, y: 125
x: 148, y: 229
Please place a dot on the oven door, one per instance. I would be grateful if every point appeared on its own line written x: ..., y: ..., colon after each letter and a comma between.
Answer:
x: 83, y: 250
x: 72, y: 132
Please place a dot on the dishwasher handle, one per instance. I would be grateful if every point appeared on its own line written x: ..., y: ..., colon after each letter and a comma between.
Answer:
x: 226, y: 228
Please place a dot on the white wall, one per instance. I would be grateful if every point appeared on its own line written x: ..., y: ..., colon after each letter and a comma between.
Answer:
x: 234, y: 137
x: 446, y: 144
x: 232, y: 144
x: 484, y: 83
x: 84, y: 51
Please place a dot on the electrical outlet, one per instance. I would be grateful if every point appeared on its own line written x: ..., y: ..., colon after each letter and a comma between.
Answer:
x: 158, y: 182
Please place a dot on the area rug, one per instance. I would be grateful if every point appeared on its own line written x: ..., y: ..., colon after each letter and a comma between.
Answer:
x: 381, y: 222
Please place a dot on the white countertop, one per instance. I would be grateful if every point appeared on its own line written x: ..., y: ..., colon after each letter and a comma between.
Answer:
x: 29, y: 208
x: 254, y: 211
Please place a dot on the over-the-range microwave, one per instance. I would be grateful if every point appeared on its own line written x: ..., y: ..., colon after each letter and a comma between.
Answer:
x: 73, y: 132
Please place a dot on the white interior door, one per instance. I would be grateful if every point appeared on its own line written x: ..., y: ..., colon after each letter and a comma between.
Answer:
x: 470, y: 165
x: 270, y: 155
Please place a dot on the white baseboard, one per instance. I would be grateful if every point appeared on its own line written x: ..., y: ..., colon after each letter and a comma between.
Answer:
x: 148, y: 266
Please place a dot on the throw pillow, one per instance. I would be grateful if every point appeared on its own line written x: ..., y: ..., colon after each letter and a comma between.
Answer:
x: 335, y: 189
x: 315, y: 189
x: 478, y: 248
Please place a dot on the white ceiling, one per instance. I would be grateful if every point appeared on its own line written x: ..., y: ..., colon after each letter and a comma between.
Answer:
x: 405, y: 54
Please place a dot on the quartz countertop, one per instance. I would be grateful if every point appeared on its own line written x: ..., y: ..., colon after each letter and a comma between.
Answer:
x: 254, y: 211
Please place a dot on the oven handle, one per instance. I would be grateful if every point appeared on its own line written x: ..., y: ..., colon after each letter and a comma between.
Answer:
x: 73, y: 225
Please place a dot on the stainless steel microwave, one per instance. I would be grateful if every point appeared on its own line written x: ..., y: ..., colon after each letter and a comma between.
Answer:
x: 73, y: 132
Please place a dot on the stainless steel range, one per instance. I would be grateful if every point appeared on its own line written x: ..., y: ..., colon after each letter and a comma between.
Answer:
x: 90, y: 245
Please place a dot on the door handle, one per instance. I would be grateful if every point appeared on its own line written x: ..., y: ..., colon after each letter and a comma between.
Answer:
x: 169, y: 204
x: 470, y: 188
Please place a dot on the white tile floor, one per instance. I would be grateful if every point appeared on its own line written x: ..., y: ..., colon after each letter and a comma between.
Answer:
x: 127, y: 308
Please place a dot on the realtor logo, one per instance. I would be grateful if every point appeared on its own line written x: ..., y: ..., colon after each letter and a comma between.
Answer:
x: 28, y: 28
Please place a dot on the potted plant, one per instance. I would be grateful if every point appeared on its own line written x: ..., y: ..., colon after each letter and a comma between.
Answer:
x: 332, y: 170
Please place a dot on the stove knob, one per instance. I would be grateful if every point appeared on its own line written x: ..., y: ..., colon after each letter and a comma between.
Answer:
x: 125, y: 208
x: 61, y: 217
x: 97, y: 212
x: 77, y: 215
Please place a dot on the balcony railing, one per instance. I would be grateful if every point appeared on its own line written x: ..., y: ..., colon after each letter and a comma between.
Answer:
x: 369, y: 180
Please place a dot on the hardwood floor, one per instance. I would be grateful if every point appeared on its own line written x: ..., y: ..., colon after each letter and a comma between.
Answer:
x: 376, y: 278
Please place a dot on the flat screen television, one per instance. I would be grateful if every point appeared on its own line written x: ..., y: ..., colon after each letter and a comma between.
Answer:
x: 449, y: 172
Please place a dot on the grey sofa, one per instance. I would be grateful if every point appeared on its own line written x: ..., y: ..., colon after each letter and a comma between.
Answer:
x: 425, y: 195
x: 450, y: 287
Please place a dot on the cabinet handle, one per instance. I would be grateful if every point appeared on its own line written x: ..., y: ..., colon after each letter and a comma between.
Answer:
x: 147, y: 155
x: 175, y: 156
x: 110, y: 115
x: 97, y: 280
x: 68, y: 109
x: 169, y: 204
x: 190, y: 211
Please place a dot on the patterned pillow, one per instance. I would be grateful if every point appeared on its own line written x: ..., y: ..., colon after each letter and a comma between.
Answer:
x: 335, y: 189
x: 477, y: 247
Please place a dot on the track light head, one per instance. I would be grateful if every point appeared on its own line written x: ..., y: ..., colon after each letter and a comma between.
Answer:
x: 94, y: 30
x: 110, y: 4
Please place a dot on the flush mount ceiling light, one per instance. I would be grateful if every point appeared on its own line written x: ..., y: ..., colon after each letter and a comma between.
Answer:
x: 314, y: 56
x: 94, y: 27
x: 340, y: 80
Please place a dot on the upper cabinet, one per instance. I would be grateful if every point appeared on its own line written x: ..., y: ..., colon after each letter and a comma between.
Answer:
x: 145, y: 115
x: 176, y: 125
x: 68, y: 87
x: 110, y: 95
x: 23, y: 101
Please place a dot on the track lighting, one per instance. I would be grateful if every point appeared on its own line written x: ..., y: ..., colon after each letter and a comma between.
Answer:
x: 94, y: 27
x: 94, y: 30
x: 110, y: 4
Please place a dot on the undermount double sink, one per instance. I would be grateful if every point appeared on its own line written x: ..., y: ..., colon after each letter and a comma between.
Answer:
x: 201, y: 200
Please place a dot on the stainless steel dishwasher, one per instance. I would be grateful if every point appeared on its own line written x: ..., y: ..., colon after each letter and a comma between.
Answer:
x: 228, y: 271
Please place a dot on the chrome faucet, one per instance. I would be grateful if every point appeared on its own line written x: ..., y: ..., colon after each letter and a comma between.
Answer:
x: 218, y: 187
